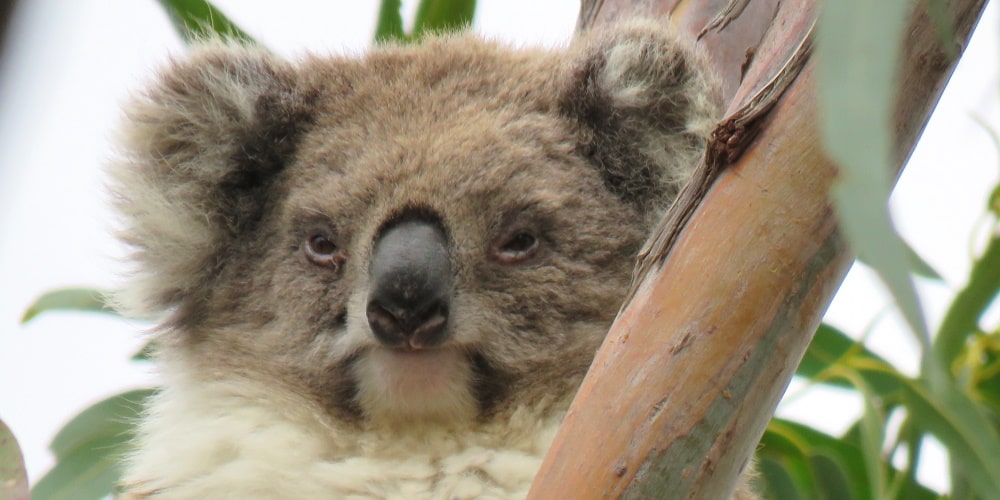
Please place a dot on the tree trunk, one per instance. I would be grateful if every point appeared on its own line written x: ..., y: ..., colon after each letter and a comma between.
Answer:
x: 686, y: 381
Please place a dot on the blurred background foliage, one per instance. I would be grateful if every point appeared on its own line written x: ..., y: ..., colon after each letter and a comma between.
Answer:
x: 955, y: 399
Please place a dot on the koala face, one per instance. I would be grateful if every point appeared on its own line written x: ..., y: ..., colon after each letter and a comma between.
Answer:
x: 459, y: 277
x: 426, y: 234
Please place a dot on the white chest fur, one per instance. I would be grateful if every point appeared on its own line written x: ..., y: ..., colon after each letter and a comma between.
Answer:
x: 222, y: 440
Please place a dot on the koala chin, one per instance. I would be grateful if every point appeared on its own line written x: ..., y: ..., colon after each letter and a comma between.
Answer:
x: 386, y: 276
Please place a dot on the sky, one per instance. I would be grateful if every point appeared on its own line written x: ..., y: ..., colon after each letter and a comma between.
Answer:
x: 68, y: 66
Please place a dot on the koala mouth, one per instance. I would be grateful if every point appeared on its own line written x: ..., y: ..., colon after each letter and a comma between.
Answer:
x: 405, y: 356
x: 405, y: 384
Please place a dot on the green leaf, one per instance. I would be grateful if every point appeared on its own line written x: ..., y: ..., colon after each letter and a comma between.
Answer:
x: 980, y: 370
x: 944, y: 24
x: 13, y: 477
x: 906, y: 486
x: 68, y: 299
x: 829, y: 345
x: 961, y: 320
x: 114, y: 416
x: 961, y: 426
x: 993, y: 203
x: 800, y: 462
x: 831, y: 351
x: 790, y: 457
x: 87, y: 473
x: 89, y: 447
x: 197, y: 20
x: 918, y: 265
x: 779, y: 482
x: 872, y: 426
x: 146, y: 352
x: 820, y: 465
x: 938, y: 407
x: 390, y: 22
x: 440, y: 16
x: 858, y: 52
x: 831, y: 479
x: 945, y: 412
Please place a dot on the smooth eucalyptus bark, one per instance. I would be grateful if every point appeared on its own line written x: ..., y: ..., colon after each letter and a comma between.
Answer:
x: 734, y: 283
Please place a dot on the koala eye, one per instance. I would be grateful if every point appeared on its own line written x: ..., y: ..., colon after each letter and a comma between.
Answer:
x: 516, y: 247
x: 321, y: 251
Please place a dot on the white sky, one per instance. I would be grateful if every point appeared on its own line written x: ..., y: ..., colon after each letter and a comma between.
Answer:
x: 68, y: 65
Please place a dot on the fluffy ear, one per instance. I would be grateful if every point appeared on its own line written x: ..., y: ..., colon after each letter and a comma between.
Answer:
x: 200, y: 148
x: 644, y: 103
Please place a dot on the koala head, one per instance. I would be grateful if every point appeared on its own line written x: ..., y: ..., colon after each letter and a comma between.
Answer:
x: 431, y: 233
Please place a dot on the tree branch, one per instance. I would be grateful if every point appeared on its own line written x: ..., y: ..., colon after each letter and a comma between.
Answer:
x: 686, y: 381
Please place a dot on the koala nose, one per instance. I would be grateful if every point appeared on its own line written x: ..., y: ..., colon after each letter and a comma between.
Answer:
x: 410, y: 285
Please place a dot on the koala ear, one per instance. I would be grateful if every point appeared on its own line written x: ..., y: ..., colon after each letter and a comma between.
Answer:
x: 644, y: 104
x: 200, y: 149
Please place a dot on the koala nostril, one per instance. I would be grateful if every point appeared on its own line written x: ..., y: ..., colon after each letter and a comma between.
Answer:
x: 384, y: 324
x: 413, y: 329
x: 429, y: 329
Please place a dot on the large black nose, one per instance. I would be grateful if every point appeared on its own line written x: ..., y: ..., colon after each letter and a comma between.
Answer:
x: 410, y: 285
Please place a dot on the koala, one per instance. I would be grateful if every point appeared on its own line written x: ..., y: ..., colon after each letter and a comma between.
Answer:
x: 385, y: 276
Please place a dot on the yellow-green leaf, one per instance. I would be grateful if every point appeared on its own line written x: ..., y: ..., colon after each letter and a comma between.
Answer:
x: 68, y: 299
x: 13, y: 477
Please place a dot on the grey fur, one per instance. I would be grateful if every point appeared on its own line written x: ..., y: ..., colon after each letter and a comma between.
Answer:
x: 233, y: 158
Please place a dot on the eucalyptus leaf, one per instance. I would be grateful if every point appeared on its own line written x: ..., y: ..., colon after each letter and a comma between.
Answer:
x: 830, y: 476
x: 114, y: 416
x: 858, y: 49
x: 89, y: 472
x: 829, y: 345
x: 961, y: 320
x: 68, y: 299
x: 835, y: 469
x: 944, y: 411
x: 949, y: 414
x: 798, y: 461
x: 872, y: 426
x: 982, y: 362
x: 913, y: 438
x: 778, y: 482
x: 89, y: 448
x: 785, y: 465
x: 944, y: 24
x: 146, y: 352
x: 989, y: 129
x: 390, y: 22
x: 13, y: 477
x: 832, y: 351
x: 197, y: 20
x: 918, y: 265
x: 440, y: 16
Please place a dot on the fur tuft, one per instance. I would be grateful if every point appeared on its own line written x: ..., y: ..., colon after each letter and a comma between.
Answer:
x: 645, y: 105
x: 199, y: 151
